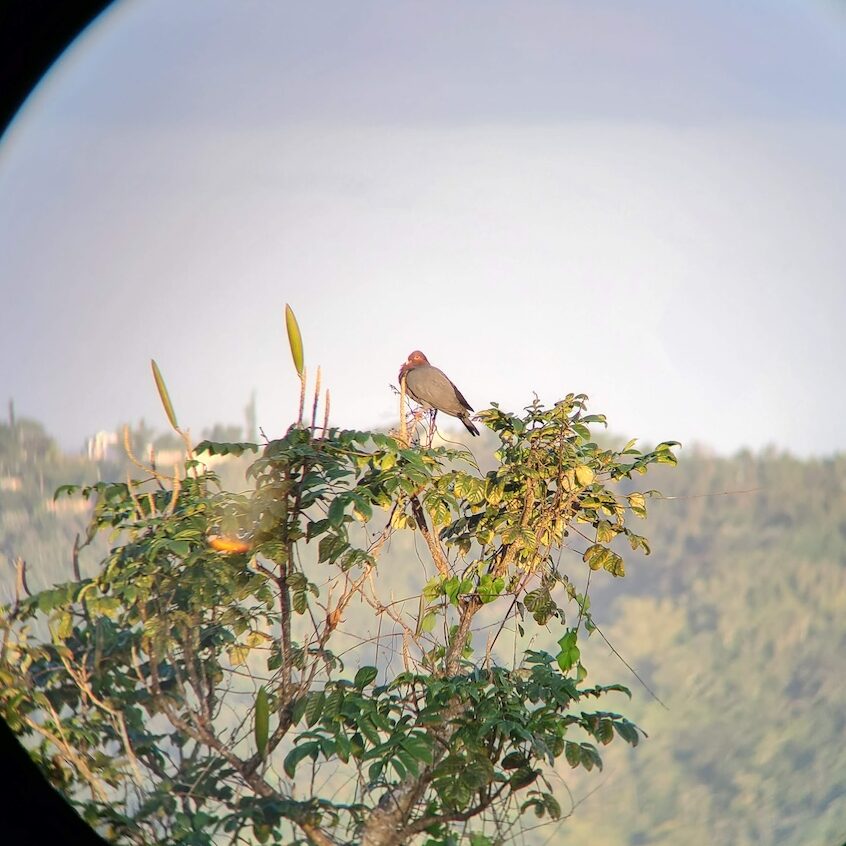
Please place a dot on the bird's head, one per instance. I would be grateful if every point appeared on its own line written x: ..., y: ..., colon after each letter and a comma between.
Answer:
x: 415, y: 359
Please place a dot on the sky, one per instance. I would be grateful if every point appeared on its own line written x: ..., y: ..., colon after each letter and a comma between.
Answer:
x: 644, y: 202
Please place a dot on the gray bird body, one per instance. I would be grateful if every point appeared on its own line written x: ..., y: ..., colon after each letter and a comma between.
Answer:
x: 432, y: 389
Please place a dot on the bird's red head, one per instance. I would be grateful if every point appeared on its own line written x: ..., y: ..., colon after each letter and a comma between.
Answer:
x: 415, y: 359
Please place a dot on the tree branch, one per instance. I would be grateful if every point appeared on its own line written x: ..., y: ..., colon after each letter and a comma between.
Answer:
x: 432, y: 542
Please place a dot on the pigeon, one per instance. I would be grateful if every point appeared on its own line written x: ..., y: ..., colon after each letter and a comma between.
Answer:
x: 432, y: 389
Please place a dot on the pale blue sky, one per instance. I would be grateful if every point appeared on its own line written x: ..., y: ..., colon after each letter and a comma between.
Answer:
x: 642, y: 201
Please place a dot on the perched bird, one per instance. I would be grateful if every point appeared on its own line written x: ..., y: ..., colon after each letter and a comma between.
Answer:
x: 432, y: 389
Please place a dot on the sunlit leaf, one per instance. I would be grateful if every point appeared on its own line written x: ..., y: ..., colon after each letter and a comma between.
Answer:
x: 163, y: 394
x: 584, y: 475
x: 295, y: 339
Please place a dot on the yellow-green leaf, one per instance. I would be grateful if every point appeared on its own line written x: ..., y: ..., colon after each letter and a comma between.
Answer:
x: 584, y: 475
x: 604, y: 532
x: 613, y: 563
x: 595, y: 556
x: 427, y: 624
x: 163, y: 394
x: 637, y: 502
x: 65, y: 628
x: 262, y: 723
x: 238, y: 654
x: 256, y: 638
x: 295, y: 339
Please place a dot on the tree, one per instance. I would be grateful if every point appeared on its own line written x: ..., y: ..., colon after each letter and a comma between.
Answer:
x: 192, y: 688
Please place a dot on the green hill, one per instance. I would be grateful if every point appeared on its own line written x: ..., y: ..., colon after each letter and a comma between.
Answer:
x: 737, y: 621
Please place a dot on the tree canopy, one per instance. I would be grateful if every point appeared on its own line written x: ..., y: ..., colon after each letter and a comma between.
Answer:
x: 205, y: 681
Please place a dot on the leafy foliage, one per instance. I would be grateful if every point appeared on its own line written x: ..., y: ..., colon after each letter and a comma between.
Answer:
x: 192, y: 686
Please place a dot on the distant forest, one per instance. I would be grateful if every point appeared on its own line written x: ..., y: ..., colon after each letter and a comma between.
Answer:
x: 736, y: 622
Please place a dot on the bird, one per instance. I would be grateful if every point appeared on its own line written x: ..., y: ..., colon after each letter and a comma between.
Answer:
x: 433, y: 389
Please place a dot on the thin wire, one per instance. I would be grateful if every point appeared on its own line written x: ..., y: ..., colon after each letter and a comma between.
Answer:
x: 659, y: 496
x: 631, y: 669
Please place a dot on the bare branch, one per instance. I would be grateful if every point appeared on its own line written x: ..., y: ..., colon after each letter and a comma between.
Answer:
x: 432, y: 542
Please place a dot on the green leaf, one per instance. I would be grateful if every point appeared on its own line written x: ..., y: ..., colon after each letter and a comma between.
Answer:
x: 343, y: 746
x: 552, y: 805
x: 219, y: 448
x: 366, y: 727
x: 180, y: 548
x: 262, y: 720
x: 163, y: 394
x: 627, y: 731
x: 364, y: 677
x: 569, y: 654
x: 490, y: 588
x: 452, y: 587
x: 299, y: 709
x: 70, y: 490
x: 299, y: 601
x: 582, y: 431
x: 314, y: 707
x: 336, y: 512
x: 334, y: 700
x: 310, y: 748
x: 419, y: 747
x: 604, y: 732
x: 433, y: 589
x: 295, y: 339
x: 362, y: 510
x: 331, y: 547
x: 513, y: 760
x: 523, y: 777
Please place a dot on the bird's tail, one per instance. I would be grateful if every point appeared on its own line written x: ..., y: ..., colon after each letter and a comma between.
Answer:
x: 469, y: 425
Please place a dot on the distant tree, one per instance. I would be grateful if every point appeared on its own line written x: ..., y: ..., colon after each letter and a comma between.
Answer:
x: 191, y: 689
x: 222, y: 432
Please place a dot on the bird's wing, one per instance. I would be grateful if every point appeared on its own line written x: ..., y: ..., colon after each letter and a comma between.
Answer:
x: 446, y: 385
x: 431, y: 387
x: 415, y: 386
x: 461, y: 398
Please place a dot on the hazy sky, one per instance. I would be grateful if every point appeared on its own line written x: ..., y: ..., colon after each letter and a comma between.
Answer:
x: 642, y: 201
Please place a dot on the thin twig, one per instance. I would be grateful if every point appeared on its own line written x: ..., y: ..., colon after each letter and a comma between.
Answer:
x: 326, y: 415
x: 302, y: 397
x: 75, y: 559
x: 314, y: 404
x: 631, y: 669
x: 403, y: 436
x: 438, y: 556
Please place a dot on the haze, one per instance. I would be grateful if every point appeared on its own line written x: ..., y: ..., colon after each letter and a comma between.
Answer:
x: 644, y: 203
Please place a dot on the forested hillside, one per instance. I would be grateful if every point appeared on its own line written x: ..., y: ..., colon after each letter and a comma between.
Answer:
x: 735, y: 621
